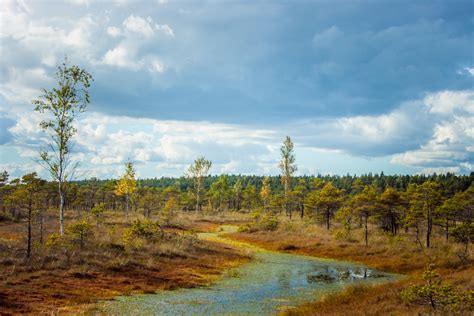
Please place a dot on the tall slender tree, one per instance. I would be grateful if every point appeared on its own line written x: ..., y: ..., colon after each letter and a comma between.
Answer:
x: 127, y: 185
x: 265, y: 192
x: 198, y: 171
x: 365, y: 205
x: 26, y: 197
x: 62, y: 104
x: 287, y: 167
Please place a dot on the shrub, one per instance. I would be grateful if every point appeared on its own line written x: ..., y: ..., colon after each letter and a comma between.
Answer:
x: 246, y: 228
x: 98, y: 211
x: 342, y: 234
x: 141, y: 231
x: 437, y: 294
x: 464, y: 234
x: 55, y: 241
x: 268, y: 222
x: 79, y: 231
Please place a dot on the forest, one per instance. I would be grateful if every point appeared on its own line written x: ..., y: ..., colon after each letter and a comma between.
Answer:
x: 66, y: 244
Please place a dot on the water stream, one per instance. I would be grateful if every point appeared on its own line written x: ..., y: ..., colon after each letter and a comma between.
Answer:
x: 270, y: 282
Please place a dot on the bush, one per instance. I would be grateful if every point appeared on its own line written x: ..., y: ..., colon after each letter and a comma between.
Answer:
x: 342, y: 234
x: 98, y: 211
x: 246, y: 228
x: 141, y: 231
x: 79, y: 231
x: 268, y: 222
x: 262, y: 221
x: 464, y: 234
x: 438, y: 295
x: 55, y: 241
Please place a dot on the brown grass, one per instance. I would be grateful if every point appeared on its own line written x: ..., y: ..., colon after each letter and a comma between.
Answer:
x: 68, y: 279
x: 392, y: 254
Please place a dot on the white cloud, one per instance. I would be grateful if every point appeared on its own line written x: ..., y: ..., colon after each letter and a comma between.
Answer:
x: 165, y: 28
x: 114, y: 31
x: 81, y: 36
x: 450, y: 146
x: 23, y: 85
x: 122, y: 56
x: 449, y: 102
x: 145, y: 26
x: 434, y: 134
x: 139, y: 25
x: 125, y: 56
x: 104, y: 142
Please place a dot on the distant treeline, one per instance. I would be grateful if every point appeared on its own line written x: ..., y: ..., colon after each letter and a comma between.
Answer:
x: 451, y: 183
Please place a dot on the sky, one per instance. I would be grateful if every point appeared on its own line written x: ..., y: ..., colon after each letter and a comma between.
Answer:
x: 359, y: 86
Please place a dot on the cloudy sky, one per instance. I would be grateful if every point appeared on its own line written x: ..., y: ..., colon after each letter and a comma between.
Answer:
x: 360, y: 86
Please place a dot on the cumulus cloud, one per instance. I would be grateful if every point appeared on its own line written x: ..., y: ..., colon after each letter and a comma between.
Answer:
x: 434, y: 134
x: 451, y: 102
x: 450, y: 147
x: 377, y: 135
x: 145, y: 26
x: 22, y: 85
x: 114, y: 31
x: 105, y: 141
x: 139, y: 25
x: 122, y: 56
x: 128, y: 54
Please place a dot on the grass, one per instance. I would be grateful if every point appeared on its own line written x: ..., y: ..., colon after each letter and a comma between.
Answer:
x: 70, y: 280
x: 64, y: 278
x: 399, y: 254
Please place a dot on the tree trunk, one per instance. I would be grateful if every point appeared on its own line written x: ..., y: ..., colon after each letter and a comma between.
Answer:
x: 366, y: 231
x: 126, y: 205
x: 328, y: 224
x: 198, y: 192
x: 61, y: 208
x: 30, y: 211
x: 428, y: 228
x: 41, y: 228
x: 447, y: 229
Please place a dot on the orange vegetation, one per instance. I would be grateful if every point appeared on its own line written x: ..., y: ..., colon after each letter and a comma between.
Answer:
x: 70, y: 282
x: 393, y: 254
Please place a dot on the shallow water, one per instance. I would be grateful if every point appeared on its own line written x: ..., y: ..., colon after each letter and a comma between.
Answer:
x: 270, y: 282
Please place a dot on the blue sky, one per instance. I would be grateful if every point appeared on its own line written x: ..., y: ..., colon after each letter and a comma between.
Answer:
x: 360, y: 86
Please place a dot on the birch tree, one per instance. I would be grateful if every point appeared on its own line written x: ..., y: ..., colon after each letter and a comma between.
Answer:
x: 287, y: 167
x: 61, y: 105
x: 198, y: 171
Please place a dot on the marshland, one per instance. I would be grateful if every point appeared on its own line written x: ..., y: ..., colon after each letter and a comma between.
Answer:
x: 236, y: 158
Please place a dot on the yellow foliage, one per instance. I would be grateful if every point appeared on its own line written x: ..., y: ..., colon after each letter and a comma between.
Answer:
x: 127, y: 183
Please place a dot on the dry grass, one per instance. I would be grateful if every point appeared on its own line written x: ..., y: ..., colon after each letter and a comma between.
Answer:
x: 65, y: 278
x: 393, y: 254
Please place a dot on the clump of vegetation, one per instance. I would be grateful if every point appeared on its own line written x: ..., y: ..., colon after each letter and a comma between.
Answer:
x: 438, y: 294
x: 262, y: 221
x: 79, y: 231
x: 141, y: 231
x: 98, y: 212
x: 464, y: 234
